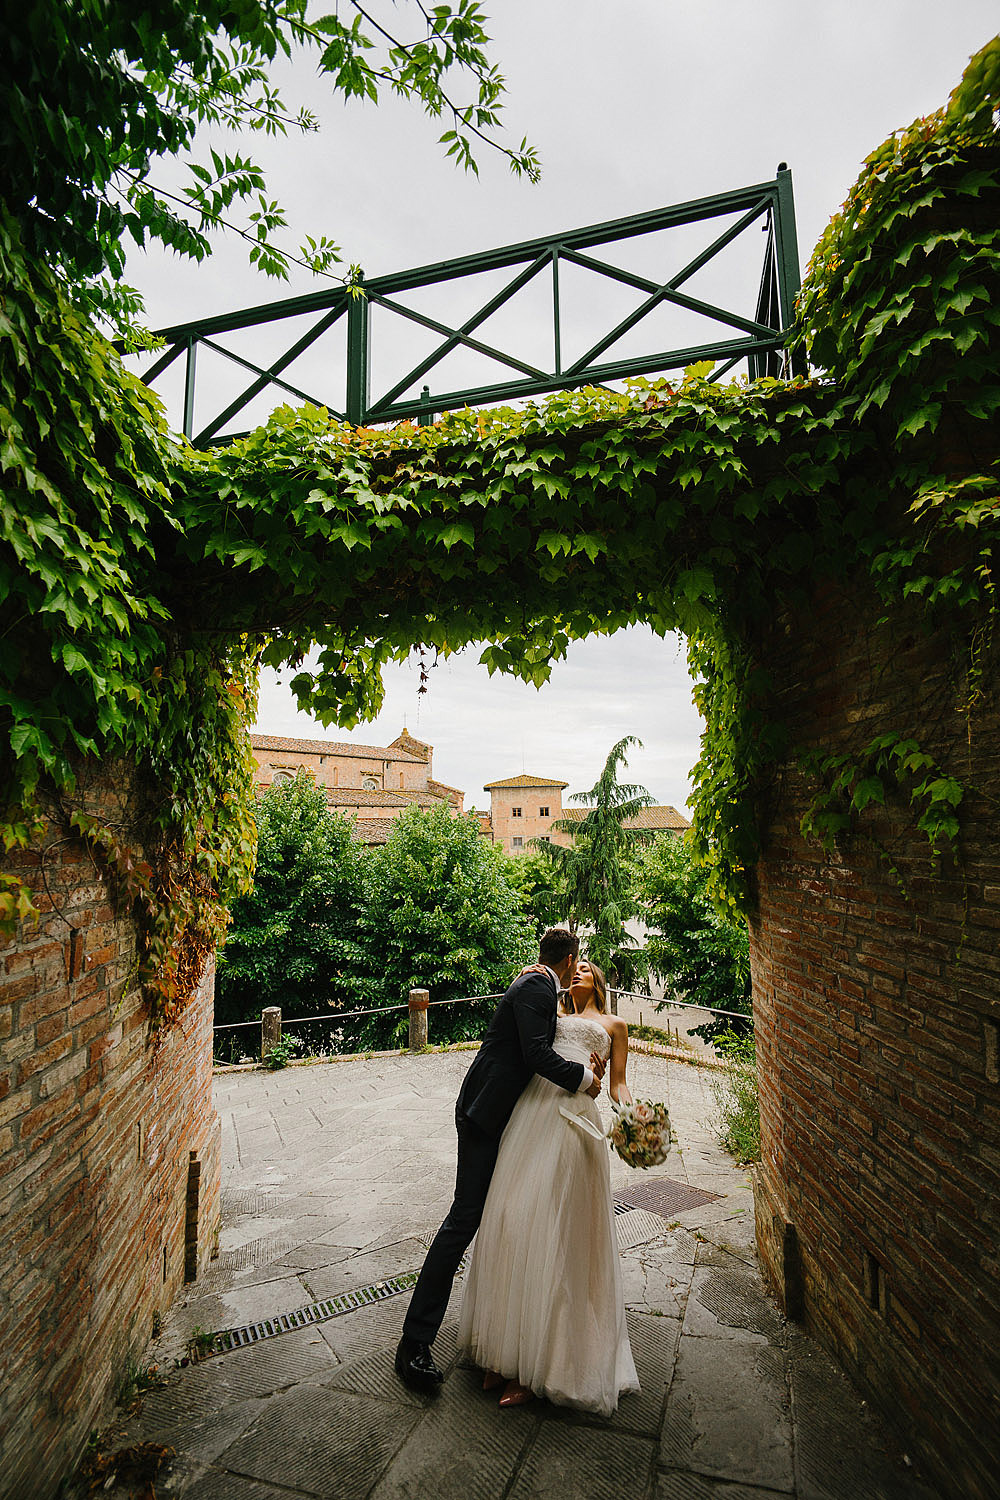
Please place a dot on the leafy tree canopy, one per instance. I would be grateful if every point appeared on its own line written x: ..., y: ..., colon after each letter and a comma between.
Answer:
x: 333, y: 926
x: 540, y: 889
x: 293, y: 941
x: 699, y: 954
x: 95, y: 94
x: 439, y: 914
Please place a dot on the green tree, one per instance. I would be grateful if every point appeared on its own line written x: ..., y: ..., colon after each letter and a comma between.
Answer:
x: 293, y: 941
x: 440, y: 914
x: 539, y: 886
x: 697, y: 952
x: 95, y: 95
x: 597, y: 868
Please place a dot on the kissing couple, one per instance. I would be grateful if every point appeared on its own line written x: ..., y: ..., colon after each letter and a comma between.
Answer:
x: 543, y: 1311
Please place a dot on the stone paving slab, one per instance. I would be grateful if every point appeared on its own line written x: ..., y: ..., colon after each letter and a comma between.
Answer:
x: 336, y: 1177
x: 433, y: 1462
x: 318, y: 1444
x: 729, y: 1415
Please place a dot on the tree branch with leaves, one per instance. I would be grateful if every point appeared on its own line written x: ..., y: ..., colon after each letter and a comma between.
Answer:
x: 97, y: 94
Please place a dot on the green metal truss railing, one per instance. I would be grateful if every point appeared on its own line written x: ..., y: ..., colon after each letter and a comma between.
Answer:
x: 759, y: 339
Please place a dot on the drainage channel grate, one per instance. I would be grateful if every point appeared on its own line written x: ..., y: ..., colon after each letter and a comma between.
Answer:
x: 364, y: 1296
x: 316, y: 1312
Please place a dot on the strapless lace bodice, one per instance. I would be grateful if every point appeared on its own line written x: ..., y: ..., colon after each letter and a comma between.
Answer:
x: 578, y: 1036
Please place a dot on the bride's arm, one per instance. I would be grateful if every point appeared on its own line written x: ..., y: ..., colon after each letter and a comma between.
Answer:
x: 619, y: 1057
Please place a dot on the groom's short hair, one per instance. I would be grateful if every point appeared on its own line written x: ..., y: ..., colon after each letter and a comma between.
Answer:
x: 557, y: 945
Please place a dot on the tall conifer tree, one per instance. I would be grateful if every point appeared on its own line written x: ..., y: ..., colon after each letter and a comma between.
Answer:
x: 597, y: 867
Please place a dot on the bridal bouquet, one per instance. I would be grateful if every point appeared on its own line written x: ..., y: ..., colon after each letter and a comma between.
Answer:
x: 641, y: 1133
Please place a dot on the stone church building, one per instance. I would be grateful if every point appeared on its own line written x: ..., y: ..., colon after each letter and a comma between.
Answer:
x: 372, y: 783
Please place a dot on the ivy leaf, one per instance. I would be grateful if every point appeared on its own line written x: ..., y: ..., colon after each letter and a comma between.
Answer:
x: 868, y: 790
x: 458, y: 531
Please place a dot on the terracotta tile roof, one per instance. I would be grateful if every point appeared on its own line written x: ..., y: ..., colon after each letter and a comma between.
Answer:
x: 352, y: 796
x: 524, y: 781
x: 425, y: 799
x: 372, y: 830
x: 417, y: 748
x: 332, y: 747
x: 485, y: 820
x: 442, y: 788
x: 655, y: 818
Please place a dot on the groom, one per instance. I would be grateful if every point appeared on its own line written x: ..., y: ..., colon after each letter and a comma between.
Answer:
x: 518, y: 1044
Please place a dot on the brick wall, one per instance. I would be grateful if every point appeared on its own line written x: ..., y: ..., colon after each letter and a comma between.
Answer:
x: 877, y: 1019
x: 99, y: 1127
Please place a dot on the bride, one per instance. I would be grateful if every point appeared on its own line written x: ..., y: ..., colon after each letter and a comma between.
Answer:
x: 543, y: 1307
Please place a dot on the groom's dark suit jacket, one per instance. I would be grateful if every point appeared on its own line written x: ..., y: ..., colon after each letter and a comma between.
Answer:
x: 518, y: 1044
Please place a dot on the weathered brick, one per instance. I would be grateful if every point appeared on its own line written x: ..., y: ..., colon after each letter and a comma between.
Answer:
x: 877, y: 1122
x: 77, y: 1204
x: 95, y: 1004
x: 41, y: 1058
x: 52, y: 1026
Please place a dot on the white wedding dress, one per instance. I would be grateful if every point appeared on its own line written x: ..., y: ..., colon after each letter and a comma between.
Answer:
x: 543, y: 1299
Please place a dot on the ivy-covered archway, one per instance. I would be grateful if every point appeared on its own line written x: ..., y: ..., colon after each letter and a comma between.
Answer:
x: 157, y: 578
x: 144, y: 582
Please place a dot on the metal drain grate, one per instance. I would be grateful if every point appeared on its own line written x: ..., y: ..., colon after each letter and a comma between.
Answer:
x: 663, y: 1196
x: 315, y: 1312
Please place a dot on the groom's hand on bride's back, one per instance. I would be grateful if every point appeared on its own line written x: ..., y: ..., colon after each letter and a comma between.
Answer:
x: 597, y: 1066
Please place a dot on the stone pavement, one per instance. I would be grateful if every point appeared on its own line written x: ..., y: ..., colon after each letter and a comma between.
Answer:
x: 335, y: 1178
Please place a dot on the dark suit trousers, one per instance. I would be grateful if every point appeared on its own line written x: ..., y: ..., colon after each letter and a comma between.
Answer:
x: 477, y: 1155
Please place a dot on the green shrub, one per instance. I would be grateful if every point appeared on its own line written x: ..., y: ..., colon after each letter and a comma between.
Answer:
x: 735, y: 1090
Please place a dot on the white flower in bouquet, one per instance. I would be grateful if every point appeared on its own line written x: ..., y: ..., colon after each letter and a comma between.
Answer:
x: 640, y: 1133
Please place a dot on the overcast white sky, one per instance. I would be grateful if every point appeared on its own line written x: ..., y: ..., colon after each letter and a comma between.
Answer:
x: 633, y: 105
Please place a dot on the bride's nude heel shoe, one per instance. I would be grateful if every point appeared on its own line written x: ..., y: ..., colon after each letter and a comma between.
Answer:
x: 491, y: 1380
x: 516, y: 1395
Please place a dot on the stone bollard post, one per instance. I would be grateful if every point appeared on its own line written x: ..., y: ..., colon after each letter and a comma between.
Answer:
x: 270, y: 1028
x: 419, y: 1001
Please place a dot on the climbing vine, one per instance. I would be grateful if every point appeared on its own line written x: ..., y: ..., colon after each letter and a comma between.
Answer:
x: 144, y: 583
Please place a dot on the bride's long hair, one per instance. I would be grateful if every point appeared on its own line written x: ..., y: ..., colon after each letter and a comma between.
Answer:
x: 600, y: 990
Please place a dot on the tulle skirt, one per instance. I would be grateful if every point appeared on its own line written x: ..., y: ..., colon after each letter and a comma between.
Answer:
x: 543, y: 1300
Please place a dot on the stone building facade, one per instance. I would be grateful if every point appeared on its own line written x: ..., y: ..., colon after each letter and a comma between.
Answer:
x: 525, y: 807
x: 374, y: 784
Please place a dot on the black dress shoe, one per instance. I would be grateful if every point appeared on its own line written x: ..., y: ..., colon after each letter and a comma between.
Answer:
x: 416, y: 1368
